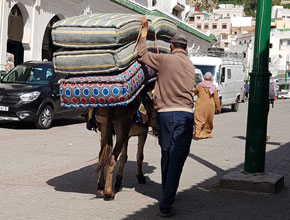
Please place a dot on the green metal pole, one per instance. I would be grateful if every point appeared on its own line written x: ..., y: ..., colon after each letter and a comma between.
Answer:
x: 258, y: 106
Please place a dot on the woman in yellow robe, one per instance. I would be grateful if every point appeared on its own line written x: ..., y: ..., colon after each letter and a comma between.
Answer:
x: 206, y: 104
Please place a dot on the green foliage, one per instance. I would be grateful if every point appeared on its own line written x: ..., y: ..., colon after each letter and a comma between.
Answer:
x: 250, y: 7
x: 287, y: 6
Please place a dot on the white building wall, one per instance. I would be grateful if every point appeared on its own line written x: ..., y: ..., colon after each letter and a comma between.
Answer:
x: 3, y: 33
x: 283, y: 13
x: 280, y: 41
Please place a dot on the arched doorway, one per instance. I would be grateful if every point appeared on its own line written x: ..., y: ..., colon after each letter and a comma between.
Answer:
x: 47, y: 46
x: 15, y: 34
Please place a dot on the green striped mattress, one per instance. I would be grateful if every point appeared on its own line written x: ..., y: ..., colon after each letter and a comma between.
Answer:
x: 107, y: 30
x: 98, y: 61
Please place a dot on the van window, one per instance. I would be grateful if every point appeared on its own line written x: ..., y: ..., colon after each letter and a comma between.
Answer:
x: 204, y: 69
x: 229, y: 74
x: 223, y: 75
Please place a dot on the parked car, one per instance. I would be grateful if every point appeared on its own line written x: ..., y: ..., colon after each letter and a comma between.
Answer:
x: 30, y: 92
x: 283, y: 94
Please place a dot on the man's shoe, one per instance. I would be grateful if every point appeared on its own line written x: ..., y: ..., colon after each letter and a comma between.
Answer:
x: 172, y: 212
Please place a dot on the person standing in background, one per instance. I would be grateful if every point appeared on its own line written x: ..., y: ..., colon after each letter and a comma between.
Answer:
x: 206, y: 104
x: 246, y: 87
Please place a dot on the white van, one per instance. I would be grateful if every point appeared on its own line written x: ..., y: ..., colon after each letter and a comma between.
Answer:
x: 228, y: 77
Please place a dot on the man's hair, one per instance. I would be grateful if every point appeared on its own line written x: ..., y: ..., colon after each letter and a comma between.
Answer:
x: 180, y: 46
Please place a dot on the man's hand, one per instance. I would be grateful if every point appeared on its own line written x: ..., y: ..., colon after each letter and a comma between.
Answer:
x: 144, y: 29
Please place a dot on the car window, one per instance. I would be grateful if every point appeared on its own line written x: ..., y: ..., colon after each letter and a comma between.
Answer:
x: 25, y: 74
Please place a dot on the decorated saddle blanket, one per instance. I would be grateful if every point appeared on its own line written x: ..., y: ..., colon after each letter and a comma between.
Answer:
x: 107, y: 30
x: 98, y: 61
x: 106, y: 91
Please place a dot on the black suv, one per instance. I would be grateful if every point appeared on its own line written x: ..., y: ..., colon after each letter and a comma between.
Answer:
x: 30, y: 92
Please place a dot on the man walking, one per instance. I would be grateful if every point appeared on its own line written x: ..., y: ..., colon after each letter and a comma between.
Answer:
x: 173, y: 95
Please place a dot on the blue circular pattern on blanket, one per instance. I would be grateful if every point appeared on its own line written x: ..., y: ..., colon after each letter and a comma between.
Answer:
x: 96, y: 91
x: 124, y: 90
x: 86, y: 92
x: 105, y: 92
x: 77, y: 92
x: 67, y: 92
x: 116, y: 91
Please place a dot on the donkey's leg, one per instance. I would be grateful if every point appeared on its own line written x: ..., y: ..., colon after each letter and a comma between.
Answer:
x: 122, y: 128
x: 101, y: 183
x: 122, y: 161
x: 140, y: 156
x: 102, y: 162
x: 108, y: 193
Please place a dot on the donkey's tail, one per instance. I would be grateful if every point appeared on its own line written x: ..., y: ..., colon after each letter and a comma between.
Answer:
x: 105, y: 157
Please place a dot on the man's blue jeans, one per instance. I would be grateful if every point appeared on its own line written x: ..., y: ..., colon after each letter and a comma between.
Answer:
x: 174, y: 131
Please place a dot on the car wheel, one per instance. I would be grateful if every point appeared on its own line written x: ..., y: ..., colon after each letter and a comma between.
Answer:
x: 235, y: 107
x: 45, y: 116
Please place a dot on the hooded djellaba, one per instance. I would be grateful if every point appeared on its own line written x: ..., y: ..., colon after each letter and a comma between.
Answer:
x: 207, y: 104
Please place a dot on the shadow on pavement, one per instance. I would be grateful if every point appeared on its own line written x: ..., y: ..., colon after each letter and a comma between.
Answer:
x: 84, y: 180
x: 268, y: 142
x: 204, y: 201
x: 207, y: 201
x: 30, y: 125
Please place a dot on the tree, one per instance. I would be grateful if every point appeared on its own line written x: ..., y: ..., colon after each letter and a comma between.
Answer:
x: 250, y: 7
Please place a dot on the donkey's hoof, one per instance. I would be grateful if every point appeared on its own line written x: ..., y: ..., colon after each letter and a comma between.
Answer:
x: 118, y: 187
x: 109, y: 197
x: 141, y: 179
x: 100, y: 193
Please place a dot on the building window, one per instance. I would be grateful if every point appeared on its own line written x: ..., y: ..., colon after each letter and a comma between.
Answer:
x: 191, y: 18
x: 214, y: 26
x: 198, y: 17
x: 283, y: 16
x: 205, y: 26
x: 224, y: 36
x: 198, y: 26
x: 16, y: 11
x: 154, y: 2
x: 175, y: 12
x: 226, y: 44
x: 228, y: 15
x: 224, y: 26
x: 288, y: 17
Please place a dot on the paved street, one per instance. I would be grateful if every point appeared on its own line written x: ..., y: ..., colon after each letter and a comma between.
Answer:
x: 49, y: 174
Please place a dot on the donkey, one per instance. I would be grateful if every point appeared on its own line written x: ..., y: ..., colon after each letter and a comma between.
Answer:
x: 140, y: 129
x: 117, y: 120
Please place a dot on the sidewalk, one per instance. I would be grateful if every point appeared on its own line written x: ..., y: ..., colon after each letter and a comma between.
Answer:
x: 51, y: 174
x: 210, y: 159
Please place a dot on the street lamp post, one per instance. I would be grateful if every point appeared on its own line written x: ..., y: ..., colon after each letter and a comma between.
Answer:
x: 258, y: 106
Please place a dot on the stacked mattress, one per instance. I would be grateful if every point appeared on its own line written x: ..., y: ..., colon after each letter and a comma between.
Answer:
x: 99, y: 56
